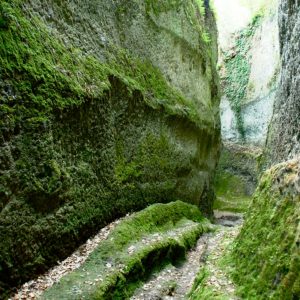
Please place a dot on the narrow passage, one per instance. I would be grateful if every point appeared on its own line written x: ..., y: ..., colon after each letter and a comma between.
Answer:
x: 175, y: 282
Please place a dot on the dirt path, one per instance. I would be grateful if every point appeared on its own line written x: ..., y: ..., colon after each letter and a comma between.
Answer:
x: 215, y: 284
x: 175, y: 282
x: 34, y: 288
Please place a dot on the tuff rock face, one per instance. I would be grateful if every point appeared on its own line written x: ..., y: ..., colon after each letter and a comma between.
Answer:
x: 284, y: 133
x: 250, y: 67
x: 266, y: 252
x: 106, y: 107
x: 267, y: 249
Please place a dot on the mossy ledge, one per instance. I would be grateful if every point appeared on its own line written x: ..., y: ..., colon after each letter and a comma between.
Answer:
x: 87, y: 136
x: 266, y: 254
x: 161, y: 233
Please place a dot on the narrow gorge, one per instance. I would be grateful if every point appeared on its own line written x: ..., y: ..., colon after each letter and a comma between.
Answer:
x: 150, y: 149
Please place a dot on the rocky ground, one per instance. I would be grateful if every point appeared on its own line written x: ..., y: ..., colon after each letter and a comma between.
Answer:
x: 175, y: 282
x: 216, y: 285
x: 172, y: 282
x: 34, y: 288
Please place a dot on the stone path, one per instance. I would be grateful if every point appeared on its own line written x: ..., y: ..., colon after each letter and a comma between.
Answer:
x: 175, y: 282
x: 34, y: 288
x: 217, y: 281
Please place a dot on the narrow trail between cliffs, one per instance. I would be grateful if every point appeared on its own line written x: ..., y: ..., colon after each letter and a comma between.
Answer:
x: 175, y: 282
x: 172, y: 282
x: 34, y: 288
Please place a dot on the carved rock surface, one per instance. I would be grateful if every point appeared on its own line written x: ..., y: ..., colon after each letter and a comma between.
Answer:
x: 105, y: 107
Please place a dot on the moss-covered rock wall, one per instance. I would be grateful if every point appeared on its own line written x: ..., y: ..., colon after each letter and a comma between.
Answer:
x: 236, y: 177
x: 266, y: 252
x: 250, y: 67
x: 284, y: 135
x: 106, y: 107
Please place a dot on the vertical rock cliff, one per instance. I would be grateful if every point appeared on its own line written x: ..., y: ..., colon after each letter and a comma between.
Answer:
x: 105, y: 107
x: 250, y: 67
x: 267, y: 252
x: 284, y: 132
x: 249, y: 64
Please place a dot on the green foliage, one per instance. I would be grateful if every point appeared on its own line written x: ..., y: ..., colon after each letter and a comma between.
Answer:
x: 266, y: 253
x: 238, y: 71
x: 206, y: 37
x: 120, y: 283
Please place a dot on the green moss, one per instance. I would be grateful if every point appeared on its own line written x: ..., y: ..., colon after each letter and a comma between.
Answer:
x: 201, y: 6
x: 201, y: 290
x: 238, y: 71
x: 63, y: 116
x: 56, y: 76
x: 157, y: 8
x: 206, y: 37
x: 52, y: 184
x: 195, y: 12
x: 119, y: 283
x: 231, y: 193
x: 203, y: 286
x: 157, y: 216
x: 266, y: 253
x: 236, y: 177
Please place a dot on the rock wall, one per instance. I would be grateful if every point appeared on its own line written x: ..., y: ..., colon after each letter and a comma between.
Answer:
x: 236, y: 177
x: 266, y: 253
x: 249, y: 65
x: 284, y: 134
x: 250, y: 79
x: 106, y: 107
